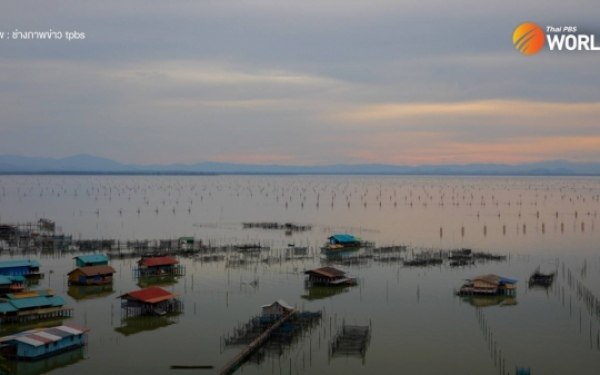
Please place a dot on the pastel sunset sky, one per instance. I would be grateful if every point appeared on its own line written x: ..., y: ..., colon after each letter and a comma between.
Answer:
x: 298, y: 82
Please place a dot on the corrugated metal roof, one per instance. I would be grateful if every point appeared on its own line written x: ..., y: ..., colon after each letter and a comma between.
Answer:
x: 71, y: 329
x: 58, y: 332
x: 158, y: 261
x: 327, y: 272
x: 95, y: 270
x: 56, y: 301
x: 48, y: 335
x: 6, y: 307
x: 27, y: 303
x: 506, y: 280
x: 41, y: 301
x: 281, y: 303
x: 494, y: 279
x: 19, y: 263
x: 29, y: 341
x: 150, y: 295
x: 41, y: 336
x: 344, y: 238
x: 7, y: 280
x: 94, y: 258
x: 30, y: 293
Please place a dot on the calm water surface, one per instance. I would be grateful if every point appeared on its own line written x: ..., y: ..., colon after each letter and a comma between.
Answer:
x: 417, y: 324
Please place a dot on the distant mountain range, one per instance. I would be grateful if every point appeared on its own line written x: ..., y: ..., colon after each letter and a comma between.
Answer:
x: 88, y: 164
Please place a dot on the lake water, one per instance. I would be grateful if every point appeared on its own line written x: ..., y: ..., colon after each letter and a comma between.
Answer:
x: 416, y: 322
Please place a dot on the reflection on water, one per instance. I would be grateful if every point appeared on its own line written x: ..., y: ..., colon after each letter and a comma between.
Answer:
x: 43, y: 366
x: 319, y: 292
x: 137, y: 324
x: 80, y: 292
x: 146, y: 281
x: 486, y: 301
x: 428, y: 211
x: 412, y: 312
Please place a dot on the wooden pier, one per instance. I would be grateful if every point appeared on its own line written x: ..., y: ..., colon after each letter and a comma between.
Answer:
x: 37, y: 314
x: 236, y: 361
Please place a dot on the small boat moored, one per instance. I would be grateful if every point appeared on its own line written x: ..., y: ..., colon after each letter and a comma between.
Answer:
x: 541, y: 279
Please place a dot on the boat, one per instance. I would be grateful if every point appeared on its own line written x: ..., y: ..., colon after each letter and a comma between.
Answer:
x: 541, y: 279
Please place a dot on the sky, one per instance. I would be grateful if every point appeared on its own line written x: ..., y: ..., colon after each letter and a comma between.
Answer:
x: 297, y: 82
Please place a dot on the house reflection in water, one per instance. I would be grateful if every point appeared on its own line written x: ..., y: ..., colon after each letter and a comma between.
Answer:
x: 166, y: 280
x: 78, y: 292
x: 320, y: 292
x: 138, y: 324
x: 487, y: 301
x: 43, y: 366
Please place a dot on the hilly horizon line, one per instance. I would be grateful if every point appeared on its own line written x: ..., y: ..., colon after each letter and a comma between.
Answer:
x: 90, y: 164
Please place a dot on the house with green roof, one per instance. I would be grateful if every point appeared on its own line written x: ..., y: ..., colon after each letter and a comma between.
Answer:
x: 91, y: 260
x: 32, y: 305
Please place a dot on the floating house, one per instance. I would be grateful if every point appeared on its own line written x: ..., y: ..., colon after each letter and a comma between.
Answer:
x: 328, y: 276
x: 342, y: 241
x: 32, y: 305
x: 91, y: 275
x: 159, y: 266
x: 150, y: 301
x: 276, y: 309
x: 489, y: 285
x: 40, y: 343
x: 91, y: 260
x: 11, y: 284
x: 24, y: 267
x: 186, y: 243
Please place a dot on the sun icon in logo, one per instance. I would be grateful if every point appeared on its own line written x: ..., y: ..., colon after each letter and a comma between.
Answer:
x: 528, y: 38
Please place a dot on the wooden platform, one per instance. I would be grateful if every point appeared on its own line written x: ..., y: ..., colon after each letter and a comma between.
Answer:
x: 236, y: 361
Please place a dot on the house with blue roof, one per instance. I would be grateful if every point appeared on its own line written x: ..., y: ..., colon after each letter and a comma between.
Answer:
x: 91, y: 260
x: 22, y: 267
x: 489, y: 285
x: 32, y: 305
x: 342, y: 241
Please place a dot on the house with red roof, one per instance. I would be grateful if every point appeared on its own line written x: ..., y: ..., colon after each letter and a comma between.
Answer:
x: 150, y: 301
x: 159, y: 266
x: 328, y: 276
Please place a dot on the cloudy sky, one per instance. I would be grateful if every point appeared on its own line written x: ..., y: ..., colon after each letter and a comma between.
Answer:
x: 297, y: 82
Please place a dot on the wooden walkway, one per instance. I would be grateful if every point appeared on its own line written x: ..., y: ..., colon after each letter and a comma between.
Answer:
x: 236, y: 361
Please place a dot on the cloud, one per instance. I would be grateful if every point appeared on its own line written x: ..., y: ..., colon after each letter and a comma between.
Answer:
x: 329, y: 82
x: 483, y: 114
x: 471, y: 131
